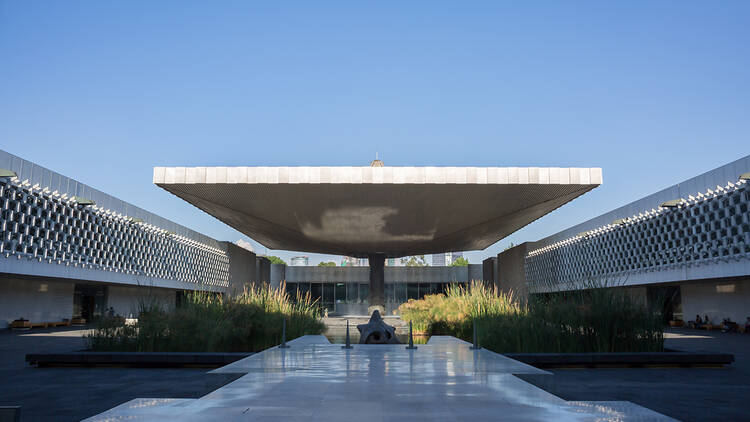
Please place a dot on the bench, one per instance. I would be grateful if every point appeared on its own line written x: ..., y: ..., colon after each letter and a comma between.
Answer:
x: 20, y: 324
x: 25, y: 324
x: 10, y: 413
x: 709, y: 327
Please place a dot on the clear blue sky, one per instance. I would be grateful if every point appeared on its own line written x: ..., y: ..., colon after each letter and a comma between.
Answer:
x: 652, y: 92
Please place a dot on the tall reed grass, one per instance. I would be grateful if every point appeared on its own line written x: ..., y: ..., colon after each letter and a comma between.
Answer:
x: 597, y: 319
x: 206, y: 322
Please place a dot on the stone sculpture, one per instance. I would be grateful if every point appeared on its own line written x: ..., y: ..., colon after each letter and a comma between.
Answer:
x: 376, y: 331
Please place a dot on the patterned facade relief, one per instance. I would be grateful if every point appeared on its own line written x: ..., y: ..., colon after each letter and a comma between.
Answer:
x: 709, y: 228
x: 40, y: 225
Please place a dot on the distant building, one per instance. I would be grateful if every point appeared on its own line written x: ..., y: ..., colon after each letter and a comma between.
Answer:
x: 299, y: 261
x: 438, y: 259
x: 446, y: 258
x: 391, y: 262
x: 349, y: 261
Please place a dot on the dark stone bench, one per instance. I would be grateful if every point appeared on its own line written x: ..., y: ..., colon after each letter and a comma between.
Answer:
x: 135, y: 359
x: 561, y: 360
x: 10, y: 413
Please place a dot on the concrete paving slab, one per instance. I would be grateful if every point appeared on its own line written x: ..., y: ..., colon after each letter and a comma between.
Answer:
x: 315, y: 381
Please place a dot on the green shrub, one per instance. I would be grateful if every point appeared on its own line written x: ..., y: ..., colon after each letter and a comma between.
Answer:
x: 207, y: 322
x: 596, y: 319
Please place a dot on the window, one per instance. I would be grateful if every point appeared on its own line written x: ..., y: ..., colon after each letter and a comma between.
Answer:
x: 328, y: 292
x: 412, y: 290
x: 340, y: 293
x: 364, y: 293
x: 351, y: 292
x: 304, y: 288
x: 399, y: 293
x: 316, y: 291
x: 389, y: 290
x: 291, y: 290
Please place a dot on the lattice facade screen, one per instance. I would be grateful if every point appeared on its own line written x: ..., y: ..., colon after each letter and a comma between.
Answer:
x: 711, y: 228
x: 48, y: 227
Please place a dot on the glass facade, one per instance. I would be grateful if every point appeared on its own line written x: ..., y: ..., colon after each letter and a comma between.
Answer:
x: 339, y: 297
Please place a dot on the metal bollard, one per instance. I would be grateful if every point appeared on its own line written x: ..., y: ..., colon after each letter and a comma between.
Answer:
x: 475, y: 345
x: 283, y: 344
x: 348, y: 341
x: 411, y: 345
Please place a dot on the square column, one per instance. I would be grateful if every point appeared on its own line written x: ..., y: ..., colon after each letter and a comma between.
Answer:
x: 377, y: 282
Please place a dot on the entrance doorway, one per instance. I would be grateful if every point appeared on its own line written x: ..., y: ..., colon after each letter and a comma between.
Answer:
x: 90, y: 301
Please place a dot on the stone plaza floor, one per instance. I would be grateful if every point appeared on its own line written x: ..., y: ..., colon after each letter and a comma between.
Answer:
x: 72, y: 394
x: 688, y: 394
x: 75, y: 393
x: 443, y: 380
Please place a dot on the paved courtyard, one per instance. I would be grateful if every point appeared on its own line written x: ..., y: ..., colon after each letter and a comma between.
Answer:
x: 688, y: 394
x: 67, y: 394
x: 72, y: 394
x: 443, y: 380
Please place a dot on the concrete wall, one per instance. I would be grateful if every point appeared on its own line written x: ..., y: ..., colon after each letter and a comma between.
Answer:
x: 475, y: 272
x: 262, y: 270
x: 314, y: 274
x: 511, y: 274
x: 488, y: 270
x: 242, y: 268
x: 35, y: 300
x: 278, y: 274
x: 717, y: 299
x: 125, y: 299
x: 27, y: 267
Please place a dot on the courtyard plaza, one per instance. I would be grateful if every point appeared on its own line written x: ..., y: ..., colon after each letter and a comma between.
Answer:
x: 443, y: 380
x: 71, y: 393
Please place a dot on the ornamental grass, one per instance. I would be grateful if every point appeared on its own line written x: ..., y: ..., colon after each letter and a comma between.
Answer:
x: 207, y: 322
x: 599, y: 318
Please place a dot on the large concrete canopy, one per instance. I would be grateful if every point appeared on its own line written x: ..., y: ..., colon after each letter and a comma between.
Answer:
x: 393, y: 211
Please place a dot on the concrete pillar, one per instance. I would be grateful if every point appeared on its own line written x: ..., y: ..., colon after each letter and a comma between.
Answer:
x: 377, y: 282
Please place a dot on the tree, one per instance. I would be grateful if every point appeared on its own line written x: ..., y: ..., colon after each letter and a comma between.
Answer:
x: 275, y: 259
x: 326, y: 264
x: 460, y: 262
x: 414, y: 261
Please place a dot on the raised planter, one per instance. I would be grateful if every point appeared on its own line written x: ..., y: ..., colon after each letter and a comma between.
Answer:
x: 636, y: 359
x: 21, y: 324
x: 135, y: 359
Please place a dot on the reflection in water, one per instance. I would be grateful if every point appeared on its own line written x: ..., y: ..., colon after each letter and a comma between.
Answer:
x: 339, y: 337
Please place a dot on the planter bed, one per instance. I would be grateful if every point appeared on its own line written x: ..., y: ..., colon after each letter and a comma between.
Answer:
x: 636, y: 359
x: 135, y: 359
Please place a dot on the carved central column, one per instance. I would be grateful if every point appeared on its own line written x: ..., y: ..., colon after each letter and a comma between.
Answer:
x: 377, y: 281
